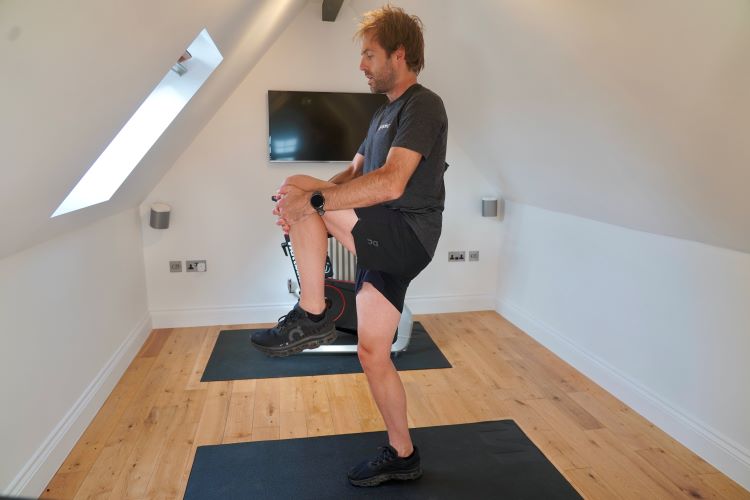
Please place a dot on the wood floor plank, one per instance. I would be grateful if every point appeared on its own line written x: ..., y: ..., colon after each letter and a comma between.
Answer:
x: 207, y: 346
x: 419, y: 413
x: 317, y: 407
x: 725, y: 486
x: 632, y: 435
x: 561, y: 453
x: 369, y: 416
x: 669, y: 466
x: 523, y: 413
x: 133, y: 482
x: 79, y: 462
x: 291, y: 399
x: 211, y: 424
x: 153, y: 345
x: 493, y: 370
x: 239, y: 424
x: 589, y: 484
x: 213, y: 420
x: 613, y: 466
x: 344, y: 415
x: 143, y: 440
x: 266, y: 409
x: 476, y: 398
x: 293, y: 423
x: 658, y: 476
x: 635, y: 430
x: 112, y: 460
x: 168, y: 475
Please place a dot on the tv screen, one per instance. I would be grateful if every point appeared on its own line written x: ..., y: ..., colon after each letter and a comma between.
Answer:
x: 318, y: 126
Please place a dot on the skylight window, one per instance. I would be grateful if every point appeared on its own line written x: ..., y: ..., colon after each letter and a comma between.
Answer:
x: 145, y: 127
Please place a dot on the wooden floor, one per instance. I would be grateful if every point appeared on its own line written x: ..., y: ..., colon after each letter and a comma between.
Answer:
x: 142, y: 442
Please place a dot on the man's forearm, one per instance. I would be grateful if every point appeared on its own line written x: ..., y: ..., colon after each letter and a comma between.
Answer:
x: 344, y: 176
x: 361, y: 191
x: 384, y: 184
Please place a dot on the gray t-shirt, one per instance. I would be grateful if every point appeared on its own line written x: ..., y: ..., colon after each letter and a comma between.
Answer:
x: 415, y: 121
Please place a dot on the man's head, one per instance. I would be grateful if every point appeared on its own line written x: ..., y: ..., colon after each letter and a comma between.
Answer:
x: 392, y: 43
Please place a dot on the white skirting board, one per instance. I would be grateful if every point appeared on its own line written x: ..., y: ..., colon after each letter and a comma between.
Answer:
x: 269, y: 313
x: 212, y: 316
x: 729, y: 457
x: 41, y: 467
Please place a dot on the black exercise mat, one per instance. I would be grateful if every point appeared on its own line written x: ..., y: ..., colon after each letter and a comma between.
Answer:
x: 234, y: 358
x: 481, y: 460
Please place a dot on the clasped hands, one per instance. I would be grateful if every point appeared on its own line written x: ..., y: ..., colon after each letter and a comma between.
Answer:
x: 292, y: 206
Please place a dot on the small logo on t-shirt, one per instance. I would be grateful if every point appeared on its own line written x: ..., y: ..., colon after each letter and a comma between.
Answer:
x: 383, y: 126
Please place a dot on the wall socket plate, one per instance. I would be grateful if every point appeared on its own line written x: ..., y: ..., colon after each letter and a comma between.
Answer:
x: 457, y: 256
x: 473, y: 255
x: 175, y: 266
x: 195, y: 266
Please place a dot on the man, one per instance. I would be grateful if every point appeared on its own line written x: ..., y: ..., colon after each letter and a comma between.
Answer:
x: 386, y: 208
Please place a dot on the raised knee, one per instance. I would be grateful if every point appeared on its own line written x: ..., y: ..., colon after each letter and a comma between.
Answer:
x: 296, y: 180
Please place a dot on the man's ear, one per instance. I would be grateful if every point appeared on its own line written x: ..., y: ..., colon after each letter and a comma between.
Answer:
x: 400, y: 53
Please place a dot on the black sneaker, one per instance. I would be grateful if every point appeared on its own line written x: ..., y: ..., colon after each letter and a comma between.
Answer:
x: 295, y: 332
x: 385, y: 467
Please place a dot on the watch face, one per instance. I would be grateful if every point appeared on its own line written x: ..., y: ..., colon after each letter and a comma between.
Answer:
x: 317, y: 200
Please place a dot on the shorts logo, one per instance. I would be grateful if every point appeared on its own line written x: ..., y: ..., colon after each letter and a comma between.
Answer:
x: 384, y: 126
x: 373, y: 243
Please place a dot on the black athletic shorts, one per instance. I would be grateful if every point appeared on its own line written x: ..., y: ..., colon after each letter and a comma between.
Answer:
x: 389, y: 255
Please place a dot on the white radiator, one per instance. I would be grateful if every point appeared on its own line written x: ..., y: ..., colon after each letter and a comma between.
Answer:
x: 344, y: 262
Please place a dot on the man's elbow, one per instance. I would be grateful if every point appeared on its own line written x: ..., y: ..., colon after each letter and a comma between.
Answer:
x: 392, y: 185
x: 394, y: 192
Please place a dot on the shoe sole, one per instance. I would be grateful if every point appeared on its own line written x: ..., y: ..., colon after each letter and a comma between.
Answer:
x: 382, y: 478
x: 304, y: 344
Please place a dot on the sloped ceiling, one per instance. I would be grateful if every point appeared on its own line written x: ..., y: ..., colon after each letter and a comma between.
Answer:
x: 72, y: 73
x: 633, y: 113
x: 630, y: 113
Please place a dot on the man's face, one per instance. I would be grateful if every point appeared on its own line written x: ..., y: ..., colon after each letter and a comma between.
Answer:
x: 377, y: 66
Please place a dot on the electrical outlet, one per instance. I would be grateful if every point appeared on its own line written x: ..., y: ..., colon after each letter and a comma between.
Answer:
x: 473, y: 255
x: 195, y: 266
x: 457, y: 256
x: 175, y: 266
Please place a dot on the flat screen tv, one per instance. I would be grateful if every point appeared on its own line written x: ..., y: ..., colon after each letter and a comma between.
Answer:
x: 318, y: 126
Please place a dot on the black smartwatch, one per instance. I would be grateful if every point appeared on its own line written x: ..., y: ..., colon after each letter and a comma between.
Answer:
x: 318, y: 202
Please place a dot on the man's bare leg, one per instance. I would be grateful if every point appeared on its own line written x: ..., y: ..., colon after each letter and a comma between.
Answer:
x: 377, y: 317
x: 377, y: 322
x: 310, y: 242
x: 376, y: 325
x: 309, y: 236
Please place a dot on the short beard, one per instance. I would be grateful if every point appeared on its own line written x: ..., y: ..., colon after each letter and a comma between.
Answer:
x: 385, y: 83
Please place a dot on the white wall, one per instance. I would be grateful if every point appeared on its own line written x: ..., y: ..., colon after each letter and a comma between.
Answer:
x: 629, y: 113
x: 661, y: 323
x: 220, y: 191
x: 73, y: 314
x: 100, y: 60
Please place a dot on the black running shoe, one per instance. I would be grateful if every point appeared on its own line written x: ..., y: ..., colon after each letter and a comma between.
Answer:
x: 295, y: 332
x: 385, y: 467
